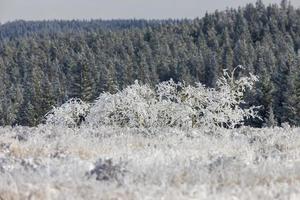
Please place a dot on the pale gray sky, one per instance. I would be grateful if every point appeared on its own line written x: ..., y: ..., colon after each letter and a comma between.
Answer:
x: 114, y: 9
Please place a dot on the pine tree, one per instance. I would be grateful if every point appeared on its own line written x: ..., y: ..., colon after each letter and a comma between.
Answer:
x: 227, y: 53
x: 270, y: 121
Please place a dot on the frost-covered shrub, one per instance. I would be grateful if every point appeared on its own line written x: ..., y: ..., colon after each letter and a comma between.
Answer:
x: 173, y: 104
x: 223, y: 105
x: 131, y: 107
x: 70, y: 114
x: 169, y: 104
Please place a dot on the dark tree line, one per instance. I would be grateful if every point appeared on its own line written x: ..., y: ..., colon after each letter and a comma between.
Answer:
x: 45, y: 63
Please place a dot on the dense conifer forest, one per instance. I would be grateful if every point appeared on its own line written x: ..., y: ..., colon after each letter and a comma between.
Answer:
x: 45, y: 63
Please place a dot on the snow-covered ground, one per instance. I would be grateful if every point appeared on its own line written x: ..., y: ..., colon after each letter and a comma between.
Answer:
x: 51, y: 162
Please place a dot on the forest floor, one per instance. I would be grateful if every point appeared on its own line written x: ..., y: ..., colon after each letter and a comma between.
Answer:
x: 49, y: 162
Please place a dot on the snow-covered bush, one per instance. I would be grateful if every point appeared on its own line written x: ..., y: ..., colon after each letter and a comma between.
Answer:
x: 131, y: 107
x: 70, y: 114
x: 169, y: 104
x: 173, y: 104
x: 223, y: 104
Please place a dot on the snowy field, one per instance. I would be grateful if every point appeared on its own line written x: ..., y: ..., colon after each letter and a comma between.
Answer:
x: 48, y: 162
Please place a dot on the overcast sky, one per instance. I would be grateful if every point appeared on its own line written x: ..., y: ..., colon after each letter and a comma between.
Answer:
x: 114, y: 9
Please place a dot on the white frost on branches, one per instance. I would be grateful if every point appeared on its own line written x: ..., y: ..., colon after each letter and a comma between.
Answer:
x: 69, y: 114
x: 169, y: 104
x: 131, y: 107
x: 173, y: 104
